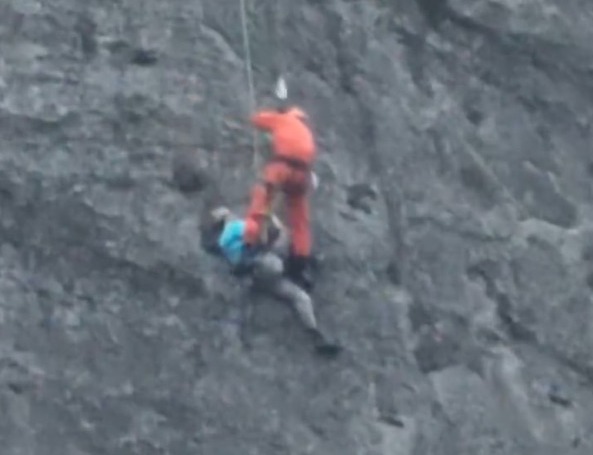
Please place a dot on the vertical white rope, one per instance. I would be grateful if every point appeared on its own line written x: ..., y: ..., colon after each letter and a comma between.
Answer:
x: 249, y: 71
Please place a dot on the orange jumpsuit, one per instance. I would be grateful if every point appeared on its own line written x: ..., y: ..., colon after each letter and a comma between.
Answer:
x: 287, y: 171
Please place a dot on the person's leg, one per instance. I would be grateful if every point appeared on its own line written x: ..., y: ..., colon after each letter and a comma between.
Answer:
x: 298, y: 261
x: 302, y: 303
x: 300, y: 300
x: 262, y: 195
x: 298, y: 220
x: 267, y: 270
x: 267, y: 275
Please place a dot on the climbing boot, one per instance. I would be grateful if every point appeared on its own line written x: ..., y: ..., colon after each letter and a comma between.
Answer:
x: 322, y: 345
x: 298, y: 270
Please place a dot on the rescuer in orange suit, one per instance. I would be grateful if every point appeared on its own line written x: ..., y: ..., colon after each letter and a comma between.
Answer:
x: 289, y: 171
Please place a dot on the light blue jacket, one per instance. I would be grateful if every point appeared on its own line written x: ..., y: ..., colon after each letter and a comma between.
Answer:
x: 232, y: 245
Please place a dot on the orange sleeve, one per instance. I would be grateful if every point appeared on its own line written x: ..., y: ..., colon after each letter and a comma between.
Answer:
x: 265, y: 120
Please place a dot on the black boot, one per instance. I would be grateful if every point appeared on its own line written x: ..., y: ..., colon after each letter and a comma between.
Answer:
x: 298, y: 270
x: 322, y: 345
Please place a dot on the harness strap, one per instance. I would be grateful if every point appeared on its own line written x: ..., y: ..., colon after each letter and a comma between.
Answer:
x: 295, y: 163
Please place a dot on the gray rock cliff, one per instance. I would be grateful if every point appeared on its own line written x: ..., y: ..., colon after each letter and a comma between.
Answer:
x: 454, y: 217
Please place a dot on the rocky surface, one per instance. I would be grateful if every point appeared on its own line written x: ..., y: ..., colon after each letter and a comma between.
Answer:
x: 454, y: 218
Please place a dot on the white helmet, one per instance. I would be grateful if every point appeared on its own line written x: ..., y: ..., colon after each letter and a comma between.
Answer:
x: 221, y: 213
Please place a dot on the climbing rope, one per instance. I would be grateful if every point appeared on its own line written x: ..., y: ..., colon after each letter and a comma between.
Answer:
x: 250, y: 85
x: 277, y: 16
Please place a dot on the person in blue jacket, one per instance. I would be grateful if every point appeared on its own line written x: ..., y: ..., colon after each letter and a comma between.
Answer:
x: 263, y: 264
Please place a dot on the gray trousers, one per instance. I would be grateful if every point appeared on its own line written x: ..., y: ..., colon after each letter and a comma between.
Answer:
x: 268, y: 278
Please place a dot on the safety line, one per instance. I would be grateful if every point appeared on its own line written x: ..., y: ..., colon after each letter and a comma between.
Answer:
x: 249, y: 70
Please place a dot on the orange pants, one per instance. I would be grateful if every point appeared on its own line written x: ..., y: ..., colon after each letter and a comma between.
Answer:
x: 293, y: 182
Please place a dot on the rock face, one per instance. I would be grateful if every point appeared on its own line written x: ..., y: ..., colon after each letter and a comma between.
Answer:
x: 454, y: 216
